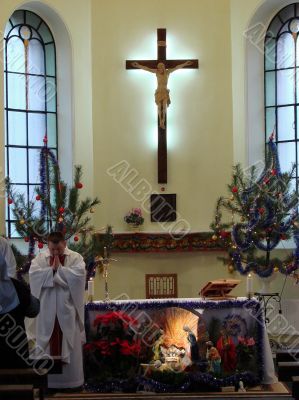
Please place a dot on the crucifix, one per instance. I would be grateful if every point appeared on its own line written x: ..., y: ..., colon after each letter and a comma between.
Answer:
x: 162, y: 68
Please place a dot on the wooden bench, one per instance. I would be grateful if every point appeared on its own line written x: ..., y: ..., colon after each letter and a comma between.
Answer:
x: 295, y: 387
x: 25, y: 376
x: 16, y: 392
x: 287, y: 355
x: 287, y: 369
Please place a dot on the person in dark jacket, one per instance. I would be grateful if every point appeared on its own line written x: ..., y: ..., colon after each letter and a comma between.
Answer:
x: 16, y: 303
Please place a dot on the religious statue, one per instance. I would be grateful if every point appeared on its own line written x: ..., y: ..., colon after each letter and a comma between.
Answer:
x: 213, y: 358
x: 241, y: 388
x: 227, y: 351
x: 162, y: 98
x: 194, y: 350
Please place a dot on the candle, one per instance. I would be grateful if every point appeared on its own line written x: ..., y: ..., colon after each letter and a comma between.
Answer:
x: 90, y: 288
x: 105, y: 252
x: 249, y: 284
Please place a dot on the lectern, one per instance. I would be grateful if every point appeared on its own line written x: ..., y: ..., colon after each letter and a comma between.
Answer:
x: 219, y: 289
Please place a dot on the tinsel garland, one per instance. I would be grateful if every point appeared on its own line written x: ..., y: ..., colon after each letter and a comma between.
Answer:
x: 158, y: 304
x: 45, y: 155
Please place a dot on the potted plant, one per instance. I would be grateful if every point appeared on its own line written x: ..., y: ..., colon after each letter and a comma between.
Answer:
x: 134, y: 218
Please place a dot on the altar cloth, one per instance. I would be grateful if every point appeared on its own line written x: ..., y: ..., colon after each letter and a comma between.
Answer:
x: 237, y: 324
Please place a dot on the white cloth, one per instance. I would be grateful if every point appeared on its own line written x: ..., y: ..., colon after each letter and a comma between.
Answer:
x: 7, y: 253
x: 62, y: 295
x: 8, y: 294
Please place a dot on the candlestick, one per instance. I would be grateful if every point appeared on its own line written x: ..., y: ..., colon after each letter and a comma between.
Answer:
x: 105, y: 252
x: 90, y: 290
x: 249, y: 285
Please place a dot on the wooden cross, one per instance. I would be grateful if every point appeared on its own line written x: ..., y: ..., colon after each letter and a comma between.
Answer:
x: 170, y: 66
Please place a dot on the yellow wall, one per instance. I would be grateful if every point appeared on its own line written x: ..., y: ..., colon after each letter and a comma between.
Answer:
x: 115, y: 117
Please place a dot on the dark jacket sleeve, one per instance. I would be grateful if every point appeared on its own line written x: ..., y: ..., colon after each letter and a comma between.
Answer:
x: 29, y: 304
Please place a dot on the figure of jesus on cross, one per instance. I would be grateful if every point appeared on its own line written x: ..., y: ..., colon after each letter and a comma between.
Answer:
x: 162, y: 98
x: 162, y: 68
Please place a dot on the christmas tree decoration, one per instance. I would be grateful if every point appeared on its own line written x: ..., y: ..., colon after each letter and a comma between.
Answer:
x: 79, y: 185
x: 76, y: 238
x: 263, y: 217
x: 58, y: 207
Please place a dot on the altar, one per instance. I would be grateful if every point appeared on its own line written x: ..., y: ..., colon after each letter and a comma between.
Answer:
x: 176, y: 345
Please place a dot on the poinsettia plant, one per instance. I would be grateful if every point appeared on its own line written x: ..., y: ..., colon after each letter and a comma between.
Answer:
x: 116, y: 346
x: 134, y: 217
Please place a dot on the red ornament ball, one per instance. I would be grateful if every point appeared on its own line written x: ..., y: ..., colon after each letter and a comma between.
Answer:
x: 26, y: 239
x: 10, y: 201
x: 40, y: 245
x: 45, y: 140
x: 261, y: 210
x: 266, y: 181
x: 283, y: 237
x: 61, y: 210
x: 273, y: 172
x: 38, y: 197
x: 79, y: 185
x: 235, y: 189
x: 76, y: 238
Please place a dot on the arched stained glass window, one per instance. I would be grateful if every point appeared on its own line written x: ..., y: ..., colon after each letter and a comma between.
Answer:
x: 281, y: 61
x: 29, y: 99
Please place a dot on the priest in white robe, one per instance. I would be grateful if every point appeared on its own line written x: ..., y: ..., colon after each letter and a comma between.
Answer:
x: 57, y: 279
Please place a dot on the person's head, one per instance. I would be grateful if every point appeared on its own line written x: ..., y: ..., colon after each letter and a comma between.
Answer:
x: 209, y: 344
x: 161, y: 68
x: 56, y: 243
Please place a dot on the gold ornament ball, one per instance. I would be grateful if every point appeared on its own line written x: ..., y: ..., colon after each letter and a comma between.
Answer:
x: 91, y: 210
x: 60, y: 219
x: 275, y: 269
x: 214, y: 237
x: 22, y: 222
x: 232, y: 198
x: 230, y: 269
x: 242, y: 219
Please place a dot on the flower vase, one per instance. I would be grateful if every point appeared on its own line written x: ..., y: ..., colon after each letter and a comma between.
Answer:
x: 134, y: 227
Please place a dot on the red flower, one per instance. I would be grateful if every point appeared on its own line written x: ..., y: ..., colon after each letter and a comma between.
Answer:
x: 129, y: 349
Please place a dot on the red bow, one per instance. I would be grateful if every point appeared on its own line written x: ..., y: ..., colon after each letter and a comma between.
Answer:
x: 61, y: 259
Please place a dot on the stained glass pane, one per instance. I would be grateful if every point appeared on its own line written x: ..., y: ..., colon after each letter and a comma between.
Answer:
x: 286, y: 123
x: 36, y: 93
x: 7, y: 28
x: 50, y: 59
x: 287, y: 155
x: 17, y: 128
x: 36, y: 63
x: 51, y: 128
x: 17, y: 165
x: 15, y: 55
x: 270, y: 47
x: 270, y: 88
x: 16, y: 84
x: 34, y: 166
x: 286, y: 51
x: 287, y: 12
x: 274, y: 27
x: 17, y: 17
x: 270, y: 121
x: 51, y: 94
x: 36, y: 129
x: 45, y: 33
x: 32, y: 19
x: 285, y: 87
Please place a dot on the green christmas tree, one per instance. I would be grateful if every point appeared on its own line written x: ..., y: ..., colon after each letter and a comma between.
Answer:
x: 56, y: 207
x: 263, y: 211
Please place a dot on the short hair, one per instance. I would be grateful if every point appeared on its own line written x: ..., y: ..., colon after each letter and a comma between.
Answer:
x: 56, y: 237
